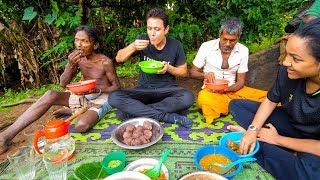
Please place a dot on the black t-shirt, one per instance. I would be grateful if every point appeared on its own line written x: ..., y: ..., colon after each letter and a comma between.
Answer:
x: 172, y: 52
x: 302, y: 107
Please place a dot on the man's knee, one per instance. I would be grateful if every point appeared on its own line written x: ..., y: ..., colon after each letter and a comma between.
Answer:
x: 50, y: 96
x: 86, y: 121
x: 114, y: 99
x: 82, y: 127
x: 234, y: 104
x: 188, y: 97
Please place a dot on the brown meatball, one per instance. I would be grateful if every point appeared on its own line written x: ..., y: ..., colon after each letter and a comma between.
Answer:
x: 147, y: 134
x: 143, y: 140
x: 139, y: 128
x: 147, y: 125
x: 128, y: 140
x: 126, y: 134
x: 130, y: 127
x: 135, y: 142
x: 137, y: 134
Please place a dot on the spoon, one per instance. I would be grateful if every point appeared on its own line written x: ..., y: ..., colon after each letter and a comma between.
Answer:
x: 155, y: 171
x: 224, y: 168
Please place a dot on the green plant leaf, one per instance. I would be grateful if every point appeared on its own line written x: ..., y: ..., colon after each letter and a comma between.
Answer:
x: 75, y: 20
x: 29, y: 14
x: 50, y: 18
x: 61, y: 21
x: 55, y: 7
x: 89, y: 171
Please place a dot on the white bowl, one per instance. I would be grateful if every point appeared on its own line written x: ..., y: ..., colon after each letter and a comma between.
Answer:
x: 146, y: 163
x: 202, y: 175
x: 157, y: 132
x: 127, y: 175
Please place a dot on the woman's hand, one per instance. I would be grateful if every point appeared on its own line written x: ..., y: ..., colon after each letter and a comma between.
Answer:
x: 269, y: 135
x: 248, y: 142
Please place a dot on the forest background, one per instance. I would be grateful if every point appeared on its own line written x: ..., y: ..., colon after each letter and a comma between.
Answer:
x: 36, y: 36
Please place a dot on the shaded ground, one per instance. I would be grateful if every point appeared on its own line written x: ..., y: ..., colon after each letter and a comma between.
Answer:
x: 262, y: 73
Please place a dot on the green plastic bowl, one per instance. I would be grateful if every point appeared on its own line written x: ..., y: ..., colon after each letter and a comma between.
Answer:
x: 150, y: 67
x: 114, y: 156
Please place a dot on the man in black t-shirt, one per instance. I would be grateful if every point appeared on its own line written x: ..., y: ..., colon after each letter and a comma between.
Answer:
x: 158, y: 95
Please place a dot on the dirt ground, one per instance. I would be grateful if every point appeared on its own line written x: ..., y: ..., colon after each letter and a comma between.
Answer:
x: 262, y: 72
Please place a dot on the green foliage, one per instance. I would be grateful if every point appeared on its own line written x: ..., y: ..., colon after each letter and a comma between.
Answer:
x: 66, y: 18
x: 190, y: 55
x: 188, y: 34
x: 261, y: 18
x: 113, y: 41
x: 133, y: 33
x: 264, y: 43
x: 119, y: 23
x: 12, y: 96
x: 29, y: 14
x: 128, y: 69
x: 49, y: 18
x: 59, y: 50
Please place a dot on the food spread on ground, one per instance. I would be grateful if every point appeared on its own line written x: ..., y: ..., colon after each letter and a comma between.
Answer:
x: 200, y: 177
x: 207, y: 161
x: 161, y: 177
x: 137, y: 135
x: 114, y: 163
x: 234, y: 146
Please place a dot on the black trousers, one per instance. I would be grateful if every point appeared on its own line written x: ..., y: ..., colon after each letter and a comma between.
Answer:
x: 280, y: 162
x: 152, y: 103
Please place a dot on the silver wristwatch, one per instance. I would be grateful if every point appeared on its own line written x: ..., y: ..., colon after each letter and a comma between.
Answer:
x: 252, y: 128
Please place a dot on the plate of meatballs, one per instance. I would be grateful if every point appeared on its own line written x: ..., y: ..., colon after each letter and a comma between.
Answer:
x: 137, y: 133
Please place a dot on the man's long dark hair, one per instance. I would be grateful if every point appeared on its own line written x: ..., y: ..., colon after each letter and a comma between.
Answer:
x: 92, y: 33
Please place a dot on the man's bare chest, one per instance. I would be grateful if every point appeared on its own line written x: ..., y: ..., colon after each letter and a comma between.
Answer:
x: 225, y: 63
x: 94, y: 70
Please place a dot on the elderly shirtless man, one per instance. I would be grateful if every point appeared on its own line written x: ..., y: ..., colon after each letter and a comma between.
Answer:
x: 92, y: 66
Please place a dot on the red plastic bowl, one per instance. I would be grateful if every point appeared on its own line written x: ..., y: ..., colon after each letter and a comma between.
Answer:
x: 82, y: 86
x: 217, y: 85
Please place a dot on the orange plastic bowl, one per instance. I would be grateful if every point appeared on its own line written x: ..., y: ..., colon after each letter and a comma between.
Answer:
x: 217, y: 85
x: 82, y: 86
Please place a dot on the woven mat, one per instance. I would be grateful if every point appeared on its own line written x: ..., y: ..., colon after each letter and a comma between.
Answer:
x: 92, y: 146
x: 179, y: 162
x: 200, y: 131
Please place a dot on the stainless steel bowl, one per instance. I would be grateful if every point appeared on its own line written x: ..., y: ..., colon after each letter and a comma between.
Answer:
x: 157, y: 132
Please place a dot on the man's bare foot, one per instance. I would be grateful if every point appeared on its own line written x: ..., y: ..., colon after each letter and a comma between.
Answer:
x: 4, y: 145
x: 62, y: 112
x: 235, y: 128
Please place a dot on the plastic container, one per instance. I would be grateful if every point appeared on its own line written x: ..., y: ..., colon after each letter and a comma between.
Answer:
x: 236, y: 137
x: 114, y: 156
x: 150, y: 67
x: 208, y: 149
x: 58, y: 142
x: 82, y: 86
x: 217, y: 85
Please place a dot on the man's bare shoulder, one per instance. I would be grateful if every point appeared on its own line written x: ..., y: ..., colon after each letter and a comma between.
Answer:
x: 104, y: 59
x: 106, y: 62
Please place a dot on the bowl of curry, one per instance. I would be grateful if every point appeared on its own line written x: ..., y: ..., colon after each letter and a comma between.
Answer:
x: 207, y: 155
